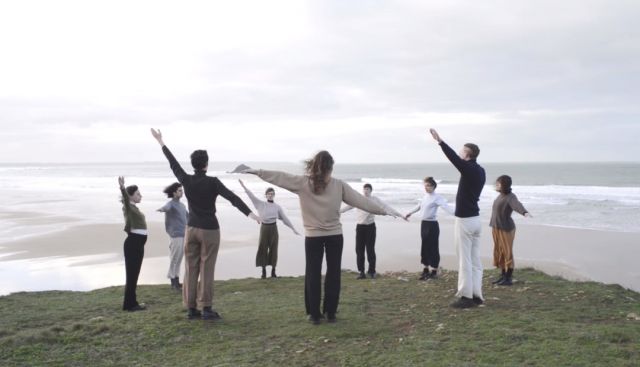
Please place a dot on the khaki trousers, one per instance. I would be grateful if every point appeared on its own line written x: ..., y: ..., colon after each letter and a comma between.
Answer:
x: 503, y: 248
x: 200, y: 254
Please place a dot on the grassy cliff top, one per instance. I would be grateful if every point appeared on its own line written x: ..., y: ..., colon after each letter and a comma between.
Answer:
x: 394, y: 320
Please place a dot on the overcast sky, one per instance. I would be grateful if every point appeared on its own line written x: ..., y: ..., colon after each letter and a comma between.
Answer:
x: 278, y: 80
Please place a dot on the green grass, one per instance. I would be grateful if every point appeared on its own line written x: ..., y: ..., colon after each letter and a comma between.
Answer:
x: 394, y: 320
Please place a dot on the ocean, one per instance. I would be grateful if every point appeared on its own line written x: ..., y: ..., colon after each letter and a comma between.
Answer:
x: 42, y: 198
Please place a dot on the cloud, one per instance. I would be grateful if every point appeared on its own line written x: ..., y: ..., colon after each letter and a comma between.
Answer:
x: 289, y: 76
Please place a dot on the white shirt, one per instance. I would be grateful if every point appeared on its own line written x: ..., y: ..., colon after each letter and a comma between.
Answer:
x: 364, y: 217
x: 429, y: 206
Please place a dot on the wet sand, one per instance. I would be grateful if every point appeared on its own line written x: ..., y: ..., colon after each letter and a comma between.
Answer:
x: 90, y: 256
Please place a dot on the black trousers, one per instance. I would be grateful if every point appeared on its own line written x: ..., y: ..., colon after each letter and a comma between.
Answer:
x: 366, y: 241
x: 430, y: 252
x: 314, y: 248
x: 133, y: 254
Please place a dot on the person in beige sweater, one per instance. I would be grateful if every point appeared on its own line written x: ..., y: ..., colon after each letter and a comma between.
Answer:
x: 320, y: 198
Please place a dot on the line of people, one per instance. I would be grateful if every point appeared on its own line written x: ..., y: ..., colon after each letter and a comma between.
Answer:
x: 196, y: 232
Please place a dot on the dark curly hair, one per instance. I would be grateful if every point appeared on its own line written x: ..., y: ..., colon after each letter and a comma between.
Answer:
x: 171, y: 189
x: 505, y: 184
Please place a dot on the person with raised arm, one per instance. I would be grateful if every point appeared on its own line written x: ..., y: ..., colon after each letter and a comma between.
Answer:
x: 136, y: 228
x: 269, y: 213
x: 366, y: 233
x: 202, y: 237
x: 467, y: 226
x: 320, y: 198
x: 429, y: 228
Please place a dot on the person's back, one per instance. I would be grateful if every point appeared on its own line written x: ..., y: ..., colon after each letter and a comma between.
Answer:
x: 202, y: 191
x: 202, y: 239
x: 320, y: 211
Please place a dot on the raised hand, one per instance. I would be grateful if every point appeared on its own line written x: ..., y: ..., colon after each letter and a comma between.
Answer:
x: 435, y: 135
x: 121, y: 181
x: 242, y: 168
x: 157, y: 134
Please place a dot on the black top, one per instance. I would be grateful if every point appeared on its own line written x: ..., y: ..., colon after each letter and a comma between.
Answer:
x: 201, y: 192
x: 472, y: 179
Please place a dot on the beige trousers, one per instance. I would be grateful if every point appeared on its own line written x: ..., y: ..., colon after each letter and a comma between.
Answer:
x: 200, y: 254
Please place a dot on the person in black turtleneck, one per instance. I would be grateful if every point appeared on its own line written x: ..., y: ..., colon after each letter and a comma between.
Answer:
x: 202, y: 239
x: 467, y: 224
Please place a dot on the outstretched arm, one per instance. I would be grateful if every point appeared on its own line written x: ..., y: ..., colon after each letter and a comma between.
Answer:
x: 286, y: 220
x: 173, y: 162
x: 391, y: 211
x: 442, y: 202
x: 458, y: 162
x: 412, y: 211
x: 235, y: 200
x: 256, y: 202
x: 517, y: 206
x: 354, y: 198
x: 165, y: 208
x: 285, y: 180
x: 346, y: 209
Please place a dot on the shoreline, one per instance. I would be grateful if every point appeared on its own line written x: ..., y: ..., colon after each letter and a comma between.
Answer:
x: 89, y: 256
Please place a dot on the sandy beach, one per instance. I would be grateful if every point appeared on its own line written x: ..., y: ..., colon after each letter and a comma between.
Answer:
x: 90, y: 256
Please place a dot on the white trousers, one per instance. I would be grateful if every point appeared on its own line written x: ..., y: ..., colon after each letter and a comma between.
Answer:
x: 467, y: 242
x: 176, y: 252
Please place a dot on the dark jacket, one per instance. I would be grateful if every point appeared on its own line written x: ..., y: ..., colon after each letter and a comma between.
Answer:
x: 201, y: 192
x: 472, y: 179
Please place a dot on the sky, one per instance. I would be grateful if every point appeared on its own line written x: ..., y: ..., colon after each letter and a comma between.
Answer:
x: 278, y: 80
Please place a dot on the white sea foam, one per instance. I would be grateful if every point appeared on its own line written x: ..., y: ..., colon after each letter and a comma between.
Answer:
x: 88, y: 193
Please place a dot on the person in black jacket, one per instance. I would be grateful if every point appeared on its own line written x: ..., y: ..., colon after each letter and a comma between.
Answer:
x: 202, y: 239
x: 467, y: 224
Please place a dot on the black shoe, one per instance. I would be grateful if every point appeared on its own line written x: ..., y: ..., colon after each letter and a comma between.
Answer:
x: 175, y: 285
x: 502, y: 276
x: 372, y: 274
x: 425, y: 274
x: 331, y: 318
x: 273, y: 273
x: 193, y: 314
x: 137, y: 308
x: 478, y: 301
x: 315, y: 320
x: 209, y: 314
x: 433, y: 274
x: 361, y: 275
x: 264, y: 273
x: 506, y: 281
x: 463, y: 302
